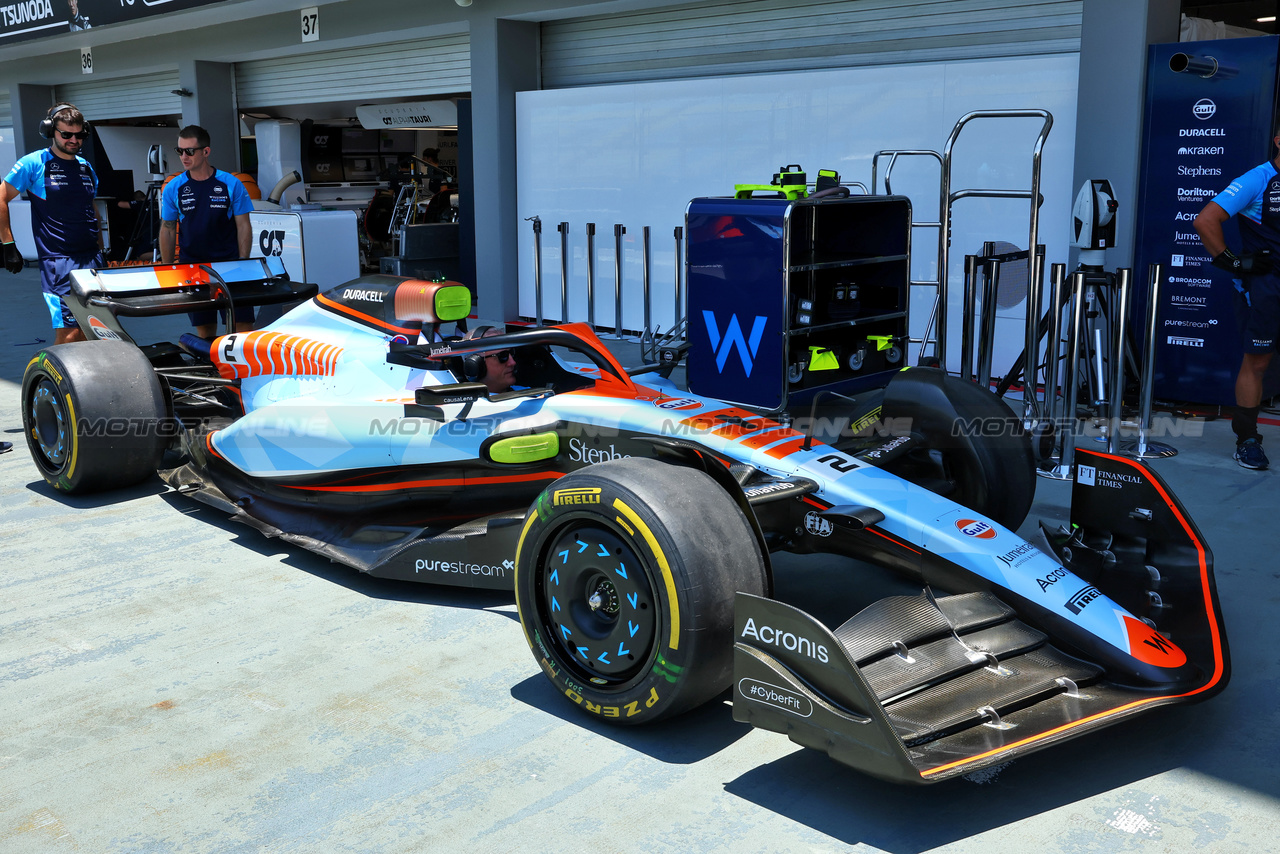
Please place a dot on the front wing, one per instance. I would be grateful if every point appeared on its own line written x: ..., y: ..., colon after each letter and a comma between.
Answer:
x: 921, y: 689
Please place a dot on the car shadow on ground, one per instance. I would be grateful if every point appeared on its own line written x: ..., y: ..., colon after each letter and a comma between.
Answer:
x: 808, y: 787
x: 683, y: 740
x: 497, y: 601
x: 149, y: 487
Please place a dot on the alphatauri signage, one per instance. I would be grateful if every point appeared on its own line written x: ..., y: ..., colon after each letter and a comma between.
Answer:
x: 413, y: 114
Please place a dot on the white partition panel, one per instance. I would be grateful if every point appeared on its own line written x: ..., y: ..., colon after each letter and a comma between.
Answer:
x: 636, y: 153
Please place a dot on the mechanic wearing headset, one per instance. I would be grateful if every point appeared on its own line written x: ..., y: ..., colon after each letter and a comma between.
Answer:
x: 61, y: 185
x: 213, y: 207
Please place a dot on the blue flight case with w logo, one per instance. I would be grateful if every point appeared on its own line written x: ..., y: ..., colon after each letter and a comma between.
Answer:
x: 790, y: 297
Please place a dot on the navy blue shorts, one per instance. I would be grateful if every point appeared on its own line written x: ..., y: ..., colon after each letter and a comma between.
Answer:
x: 1260, y: 319
x: 55, y: 283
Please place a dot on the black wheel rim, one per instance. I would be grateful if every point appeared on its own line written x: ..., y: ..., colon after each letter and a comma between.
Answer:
x: 597, y: 605
x: 47, y: 415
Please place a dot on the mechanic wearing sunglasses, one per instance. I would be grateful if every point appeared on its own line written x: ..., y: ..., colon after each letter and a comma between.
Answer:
x: 213, y: 209
x: 61, y: 185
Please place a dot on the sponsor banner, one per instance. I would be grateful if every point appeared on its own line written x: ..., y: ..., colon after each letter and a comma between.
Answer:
x: 21, y: 20
x: 414, y: 114
x: 1199, y: 135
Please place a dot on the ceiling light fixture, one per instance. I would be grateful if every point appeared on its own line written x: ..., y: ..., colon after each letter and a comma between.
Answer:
x: 1268, y: 19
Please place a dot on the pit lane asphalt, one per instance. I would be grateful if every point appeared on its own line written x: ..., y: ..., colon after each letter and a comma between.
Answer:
x: 171, y: 681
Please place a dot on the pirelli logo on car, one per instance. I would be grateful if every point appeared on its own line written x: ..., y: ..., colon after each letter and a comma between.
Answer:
x: 581, y: 495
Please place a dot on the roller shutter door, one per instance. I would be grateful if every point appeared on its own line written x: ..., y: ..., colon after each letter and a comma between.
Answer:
x: 6, y: 114
x: 434, y: 66
x: 755, y: 36
x: 124, y: 97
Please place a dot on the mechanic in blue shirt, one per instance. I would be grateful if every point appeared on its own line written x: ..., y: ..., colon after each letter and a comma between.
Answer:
x: 61, y: 185
x: 213, y: 209
x: 1255, y: 197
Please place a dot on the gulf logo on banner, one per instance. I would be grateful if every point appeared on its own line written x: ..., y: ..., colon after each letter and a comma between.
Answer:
x: 974, y: 528
x: 252, y: 354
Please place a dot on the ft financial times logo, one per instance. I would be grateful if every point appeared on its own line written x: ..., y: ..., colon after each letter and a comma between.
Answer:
x: 733, y: 339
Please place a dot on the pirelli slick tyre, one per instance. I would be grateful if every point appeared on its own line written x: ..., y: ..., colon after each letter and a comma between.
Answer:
x: 94, y: 415
x: 625, y: 578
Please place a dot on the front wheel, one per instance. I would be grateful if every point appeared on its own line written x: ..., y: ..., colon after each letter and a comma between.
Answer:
x: 973, y: 449
x: 625, y: 578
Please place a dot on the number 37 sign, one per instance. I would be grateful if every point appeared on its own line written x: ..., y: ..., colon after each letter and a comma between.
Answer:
x: 311, y: 24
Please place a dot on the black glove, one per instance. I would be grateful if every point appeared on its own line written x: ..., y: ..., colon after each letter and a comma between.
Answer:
x: 12, y: 258
x: 1248, y: 264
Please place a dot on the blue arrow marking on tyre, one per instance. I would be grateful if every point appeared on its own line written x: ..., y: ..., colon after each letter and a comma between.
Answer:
x: 582, y: 547
x: 632, y: 627
x: 566, y: 632
x: 622, y: 651
x: 603, y: 551
x: 564, y: 556
x: 621, y: 570
x: 633, y: 598
x: 555, y: 606
x: 555, y: 578
x: 603, y: 658
x: 582, y: 651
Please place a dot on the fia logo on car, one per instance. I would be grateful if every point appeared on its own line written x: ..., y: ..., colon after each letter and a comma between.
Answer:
x: 975, y: 528
x: 816, y: 525
x: 733, y: 339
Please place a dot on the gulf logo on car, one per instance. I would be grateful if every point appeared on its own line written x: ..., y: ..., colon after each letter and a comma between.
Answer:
x: 678, y: 403
x: 101, y: 330
x: 974, y: 528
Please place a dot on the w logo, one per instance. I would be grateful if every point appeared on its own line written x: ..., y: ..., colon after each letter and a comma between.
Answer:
x: 733, y: 339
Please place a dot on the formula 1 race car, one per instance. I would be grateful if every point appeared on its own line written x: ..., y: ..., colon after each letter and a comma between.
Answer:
x: 635, y: 521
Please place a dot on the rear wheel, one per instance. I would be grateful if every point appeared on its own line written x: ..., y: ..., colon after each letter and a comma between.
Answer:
x: 93, y: 413
x: 625, y: 578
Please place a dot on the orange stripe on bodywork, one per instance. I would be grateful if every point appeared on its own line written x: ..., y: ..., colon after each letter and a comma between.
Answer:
x: 786, y: 449
x: 734, y: 430
x: 367, y: 318
x: 583, y: 332
x: 275, y: 354
x: 1214, y: 631
x: 709, y: 420
x: 249, y: 351
x: 892, y: 539
x: 752, y: 443
x: 418, y: 484
x: 181, y: 276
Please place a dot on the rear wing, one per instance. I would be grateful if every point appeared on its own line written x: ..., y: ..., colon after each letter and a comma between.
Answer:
x: 99, y: 296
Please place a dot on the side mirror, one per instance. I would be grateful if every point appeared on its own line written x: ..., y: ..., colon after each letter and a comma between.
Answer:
x: 428, y: 401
